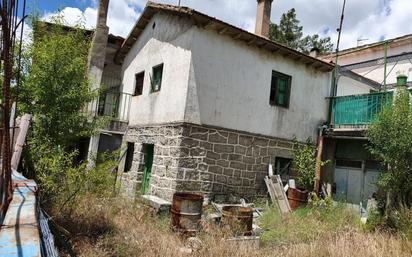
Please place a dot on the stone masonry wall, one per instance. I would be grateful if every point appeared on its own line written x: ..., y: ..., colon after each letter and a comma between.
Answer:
x: 203, y: 159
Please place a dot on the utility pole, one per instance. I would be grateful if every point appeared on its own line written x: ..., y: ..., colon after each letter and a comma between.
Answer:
x: 337, y: 49
x: 385, y: 66
x: 335, y: 75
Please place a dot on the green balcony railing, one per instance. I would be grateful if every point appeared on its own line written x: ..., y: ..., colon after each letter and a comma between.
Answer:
x: 358, y: 110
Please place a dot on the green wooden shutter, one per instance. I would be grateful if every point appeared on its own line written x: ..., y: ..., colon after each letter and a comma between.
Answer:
x: 281, y: 92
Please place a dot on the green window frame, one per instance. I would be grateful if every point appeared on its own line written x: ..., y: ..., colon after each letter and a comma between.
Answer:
x: 280, y: 89
x: 156, y: 79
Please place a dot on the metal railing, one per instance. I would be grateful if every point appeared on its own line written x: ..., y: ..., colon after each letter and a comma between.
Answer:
x: 115, y: 105
x: 358, y: 110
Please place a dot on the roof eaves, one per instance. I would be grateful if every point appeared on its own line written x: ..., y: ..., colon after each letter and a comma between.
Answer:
x: 208, y: 22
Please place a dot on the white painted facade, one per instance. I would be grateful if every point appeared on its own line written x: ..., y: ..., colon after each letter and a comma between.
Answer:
x: 212, y: 79
x: 349, y: 86
x: 169, y: 43
x: 376, y: 73
x: 232, y: 83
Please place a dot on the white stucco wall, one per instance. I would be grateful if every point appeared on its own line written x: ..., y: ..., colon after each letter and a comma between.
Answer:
x: 230, y: 87
x: 376, y: 73
x: 167, y: 42
x: 349, y: 86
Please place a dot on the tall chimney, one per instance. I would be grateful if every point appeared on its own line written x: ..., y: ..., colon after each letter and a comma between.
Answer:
x: 96, y: 60
x: 263, y: 17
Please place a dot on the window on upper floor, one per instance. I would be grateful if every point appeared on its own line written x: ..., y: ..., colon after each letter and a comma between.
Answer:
x: 139, y: 84
x: 156, y: 79
x: 280, y: 89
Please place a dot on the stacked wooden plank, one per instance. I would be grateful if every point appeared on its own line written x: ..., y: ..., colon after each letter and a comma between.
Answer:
x: 277, y: 193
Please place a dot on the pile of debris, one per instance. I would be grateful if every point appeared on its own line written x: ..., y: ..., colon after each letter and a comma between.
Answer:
x: 233, y: 214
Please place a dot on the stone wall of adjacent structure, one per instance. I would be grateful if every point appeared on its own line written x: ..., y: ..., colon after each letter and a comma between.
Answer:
x: 203, y: 159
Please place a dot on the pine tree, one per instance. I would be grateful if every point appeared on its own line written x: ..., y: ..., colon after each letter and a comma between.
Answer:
x: 289, y: 33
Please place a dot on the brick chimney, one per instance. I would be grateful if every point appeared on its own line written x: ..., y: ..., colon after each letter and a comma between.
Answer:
x: 263, y: 17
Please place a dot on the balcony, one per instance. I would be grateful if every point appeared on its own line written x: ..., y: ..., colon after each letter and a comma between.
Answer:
x: 114, y: 105
x: 357, y: 111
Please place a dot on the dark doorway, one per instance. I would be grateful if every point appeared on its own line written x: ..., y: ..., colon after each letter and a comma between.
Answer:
x: 148, y: 151
x: 129, y: 157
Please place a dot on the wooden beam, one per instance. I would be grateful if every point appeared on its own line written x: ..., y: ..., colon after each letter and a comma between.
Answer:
x: 239, y: 35
x: 261, y: 44
x: 209, y: 25
x: 286, y: 54
x: 275, y: 50
x: 21, y: 138
x: 251, y: 41
x: 222, y: 31
x: 298, y: 58
x: 144, y: 19
x: 318, y: 164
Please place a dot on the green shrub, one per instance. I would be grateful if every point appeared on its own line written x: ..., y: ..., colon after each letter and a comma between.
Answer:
x: 61, y: 182
x: 304, y: 160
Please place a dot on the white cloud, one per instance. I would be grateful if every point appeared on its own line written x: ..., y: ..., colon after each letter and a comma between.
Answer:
x: 371, y: 19
x: 121, y: 16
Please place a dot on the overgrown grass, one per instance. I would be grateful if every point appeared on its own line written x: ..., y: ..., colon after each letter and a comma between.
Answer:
x: 116, y: 227
x: 306, y: 224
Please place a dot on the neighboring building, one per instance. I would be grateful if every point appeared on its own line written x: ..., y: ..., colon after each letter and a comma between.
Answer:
x: 213, y: 104
x: 369, y: 60
x: 111, y: 100
x: 354, y: 172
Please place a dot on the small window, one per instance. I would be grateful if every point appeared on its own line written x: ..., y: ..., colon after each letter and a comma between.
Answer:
x: 139, y: 84
x: 282, y: 167
x: 129, y: 157
x: 280, y: 89
x: 157, y: 78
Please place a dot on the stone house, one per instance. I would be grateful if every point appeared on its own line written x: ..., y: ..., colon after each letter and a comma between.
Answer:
x: 213, y: 105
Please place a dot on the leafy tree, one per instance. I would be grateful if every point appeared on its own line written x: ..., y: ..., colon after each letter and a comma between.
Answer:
x: 55, y: 87
x: 390, y: 141
x: 289, y: 32
x: 55, y: 90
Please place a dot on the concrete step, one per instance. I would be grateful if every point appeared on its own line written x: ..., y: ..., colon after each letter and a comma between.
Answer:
x: 159, y: 204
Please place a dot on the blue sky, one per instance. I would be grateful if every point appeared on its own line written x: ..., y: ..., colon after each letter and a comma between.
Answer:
x: 53, y: 5
x: 373, y: 20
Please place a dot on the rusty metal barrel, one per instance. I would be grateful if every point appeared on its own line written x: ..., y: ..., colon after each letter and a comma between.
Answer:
x: 186, y: 212
x: 297, y: 198
x: 239, y: 219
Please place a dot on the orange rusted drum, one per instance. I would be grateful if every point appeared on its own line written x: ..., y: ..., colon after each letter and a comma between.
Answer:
x: 297, y: 198
x: 186, y: 212
x: 239, y: 219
